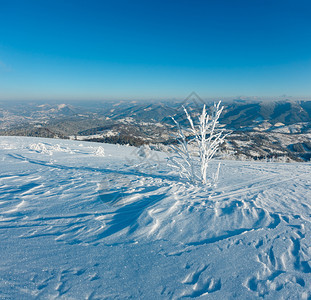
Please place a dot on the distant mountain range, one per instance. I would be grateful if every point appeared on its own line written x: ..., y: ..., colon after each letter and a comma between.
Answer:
x: 240, y: 114
x: 284, y: 127
x: 237, y: 114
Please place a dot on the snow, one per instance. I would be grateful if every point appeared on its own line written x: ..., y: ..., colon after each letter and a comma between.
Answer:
x: 100, y: 151
x: 78, y: 225
x: 61, y: 106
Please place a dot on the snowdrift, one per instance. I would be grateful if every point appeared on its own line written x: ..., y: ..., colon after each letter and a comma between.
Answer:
x: 81, y: 220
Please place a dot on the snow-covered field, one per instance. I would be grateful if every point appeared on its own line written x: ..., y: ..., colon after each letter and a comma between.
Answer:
x: 82, y: 220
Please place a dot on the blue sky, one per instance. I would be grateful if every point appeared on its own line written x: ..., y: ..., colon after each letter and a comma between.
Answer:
x: 71, y: 49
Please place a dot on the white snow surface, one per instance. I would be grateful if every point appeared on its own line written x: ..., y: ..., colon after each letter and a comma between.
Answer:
x: 75, y: 225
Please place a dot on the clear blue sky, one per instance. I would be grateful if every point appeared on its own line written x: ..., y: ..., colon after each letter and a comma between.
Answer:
x: 71, y: 49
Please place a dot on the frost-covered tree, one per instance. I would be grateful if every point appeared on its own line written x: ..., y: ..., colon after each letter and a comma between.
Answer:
x: 193, y: 164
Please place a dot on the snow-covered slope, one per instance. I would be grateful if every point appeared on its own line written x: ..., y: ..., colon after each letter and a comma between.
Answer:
x: 82, y: 222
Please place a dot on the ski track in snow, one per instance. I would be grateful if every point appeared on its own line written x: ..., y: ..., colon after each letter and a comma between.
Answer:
x: 87, y: 226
